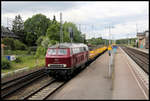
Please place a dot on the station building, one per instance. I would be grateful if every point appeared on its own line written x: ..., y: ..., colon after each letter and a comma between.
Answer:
x: 143, y: 39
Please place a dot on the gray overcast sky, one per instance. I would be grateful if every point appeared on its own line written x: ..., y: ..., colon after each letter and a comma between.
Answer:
x: 94, y: 17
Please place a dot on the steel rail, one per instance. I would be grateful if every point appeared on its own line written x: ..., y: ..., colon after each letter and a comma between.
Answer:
x: 6, y: 92
x: 26, y: 97
x: 141, y: 60
x: 31, y: 94
x: 44, y: 92
x: 13, y: 80
x: 20, y: 80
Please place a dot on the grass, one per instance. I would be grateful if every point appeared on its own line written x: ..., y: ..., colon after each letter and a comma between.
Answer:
x: 27, y: 61
x: 16, y: 52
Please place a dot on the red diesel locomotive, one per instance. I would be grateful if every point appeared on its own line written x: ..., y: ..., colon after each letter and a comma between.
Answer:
x: 63, y: 59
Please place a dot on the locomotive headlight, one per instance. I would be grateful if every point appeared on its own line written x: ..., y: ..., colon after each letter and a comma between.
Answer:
x: 49, y: 65
x: 65, y: 65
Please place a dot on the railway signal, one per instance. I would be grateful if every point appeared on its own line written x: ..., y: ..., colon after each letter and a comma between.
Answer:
x: 71, y: 33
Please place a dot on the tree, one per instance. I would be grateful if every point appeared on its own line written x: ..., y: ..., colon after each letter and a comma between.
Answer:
x: 77, y: 36
x: 97, y: 41
x: 9, y: 42
x: 53, y: 32
x: 35, y: 27
x: 18, y: 28
x: 125, y: 41
x: 39, y: 40
x: 13, y: 44
x: 54, y: 20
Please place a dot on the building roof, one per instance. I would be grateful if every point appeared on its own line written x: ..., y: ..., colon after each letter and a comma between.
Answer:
x: 143, y: 34
x: 5, y: 29
x: 5, y: 32
x: 140, y: 34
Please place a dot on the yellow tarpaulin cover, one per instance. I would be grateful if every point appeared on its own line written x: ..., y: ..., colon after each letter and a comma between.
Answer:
x: 109, y: 47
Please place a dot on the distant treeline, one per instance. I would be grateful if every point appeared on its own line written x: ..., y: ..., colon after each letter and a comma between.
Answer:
x: 131, y: 41
x: 37, y: 28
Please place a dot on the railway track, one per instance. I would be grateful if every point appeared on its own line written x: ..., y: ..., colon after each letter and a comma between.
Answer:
x: 141, y: 58
x: 45, y: 91
x: 42, y: 92
x: 9, y: 87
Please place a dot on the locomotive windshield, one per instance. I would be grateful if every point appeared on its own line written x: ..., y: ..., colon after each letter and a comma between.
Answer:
x: 62, y: 51
x: 52, y: 51
x: 57, y: 51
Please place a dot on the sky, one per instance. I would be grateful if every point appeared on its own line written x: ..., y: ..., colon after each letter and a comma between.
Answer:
x: 109, y: 20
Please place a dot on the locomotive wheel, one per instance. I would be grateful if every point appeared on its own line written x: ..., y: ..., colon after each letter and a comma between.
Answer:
x: 65, y: 77
x: 57, y: 76
x: 69, y: 75
x: 50, y: 75
x: 83, y: 66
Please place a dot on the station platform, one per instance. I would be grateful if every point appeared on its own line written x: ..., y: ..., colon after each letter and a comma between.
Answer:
x: 94, y: 83
x: 126, y: 83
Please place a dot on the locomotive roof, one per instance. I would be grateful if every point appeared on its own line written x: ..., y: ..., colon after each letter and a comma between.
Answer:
x: 68, y: 45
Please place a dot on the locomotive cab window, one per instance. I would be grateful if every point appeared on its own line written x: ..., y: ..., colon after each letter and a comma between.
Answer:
x: 52, y: 52
x: 62, y: 51
x: 81, y: 49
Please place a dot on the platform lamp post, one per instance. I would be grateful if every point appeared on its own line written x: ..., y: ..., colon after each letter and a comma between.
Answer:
x: 101, y: 37
x: 128, y: 38
x: 137, y: 41
x: 111, y: 56
x: 104, y: 35
x: 109, y: 27
x: 109, y: 35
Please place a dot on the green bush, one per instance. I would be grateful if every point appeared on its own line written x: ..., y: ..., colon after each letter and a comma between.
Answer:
x: 32, y: 53
x: 45, y: 42
x: 13, y: 44
x: 5, y: 64
x: 9, y: 42
x: 18, y: 60
x: 29, y: 51
x: 19, y: 45
x: 39, y: 40
x: 41, y: 51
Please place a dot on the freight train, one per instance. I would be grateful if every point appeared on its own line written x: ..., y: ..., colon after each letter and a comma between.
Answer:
x: 63, y: 59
